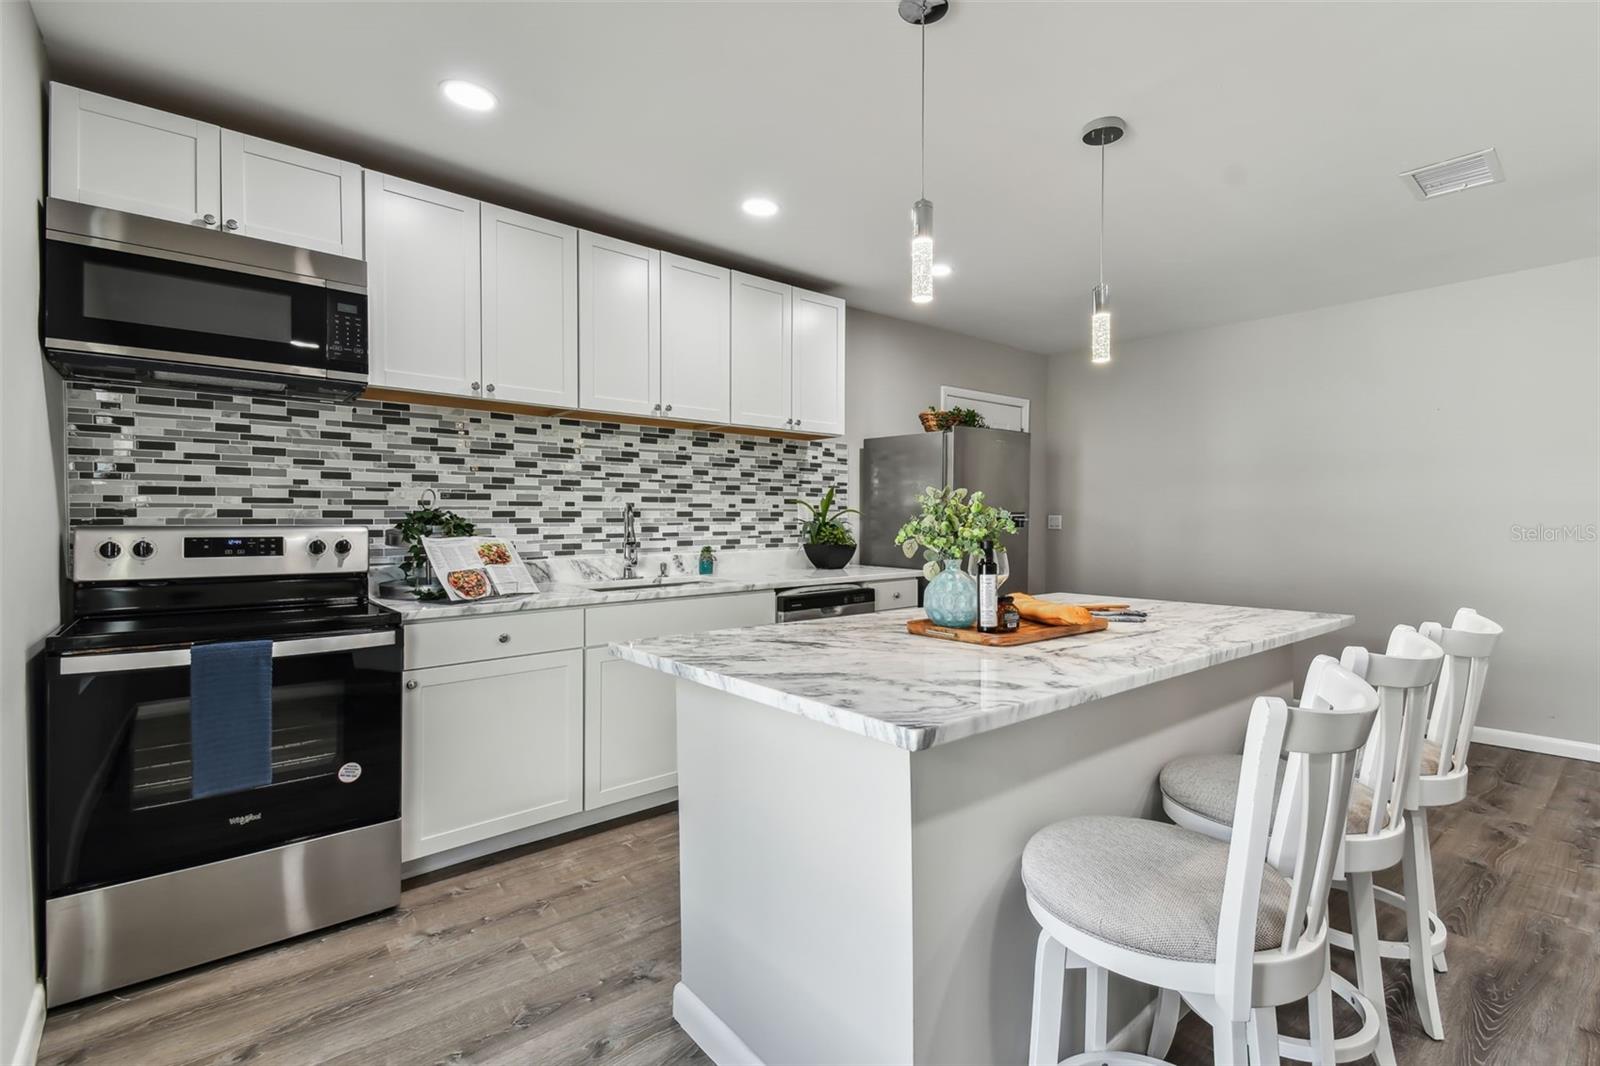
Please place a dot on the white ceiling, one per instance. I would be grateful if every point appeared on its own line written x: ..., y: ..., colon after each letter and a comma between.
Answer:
x: 1259, y: 175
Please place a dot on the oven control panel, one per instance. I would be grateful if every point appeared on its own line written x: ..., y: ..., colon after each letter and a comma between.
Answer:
x: 146, y: 553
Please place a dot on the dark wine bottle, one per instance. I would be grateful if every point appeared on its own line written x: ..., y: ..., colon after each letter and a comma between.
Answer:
x: 988, y: 591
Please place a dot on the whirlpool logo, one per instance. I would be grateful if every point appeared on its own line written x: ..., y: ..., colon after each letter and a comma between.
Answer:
x: 245, y: 819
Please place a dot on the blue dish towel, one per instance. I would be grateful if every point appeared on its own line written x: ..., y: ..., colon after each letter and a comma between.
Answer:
x: 230, y: 717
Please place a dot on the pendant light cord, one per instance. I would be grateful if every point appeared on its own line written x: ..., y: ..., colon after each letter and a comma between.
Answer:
x: 1102, y: 218
x: 924, y: 164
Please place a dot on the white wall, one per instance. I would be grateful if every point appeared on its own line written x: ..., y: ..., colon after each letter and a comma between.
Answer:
x: 894, y: 369
x: 1372, y: 458
x: 30, y: 504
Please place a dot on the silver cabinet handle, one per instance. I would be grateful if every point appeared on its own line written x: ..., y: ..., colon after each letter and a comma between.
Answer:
x: 897, y: 595
x: 489, y: 387
x: 505, y: 638
x: 797, y: 421
x: 210, y: 220
x: 232, y: 223
x: 788, y: 421
x: 110, y: 662
x: 412, y: 684
x: 657, y: 407
x: 669, y: 407
x: 475, y: 386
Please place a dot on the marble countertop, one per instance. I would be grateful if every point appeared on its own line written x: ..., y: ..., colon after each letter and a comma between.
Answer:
x: 866, y: 674
x: 565, y: 590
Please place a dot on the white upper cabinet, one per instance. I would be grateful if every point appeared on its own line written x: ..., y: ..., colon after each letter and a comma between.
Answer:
x: 818, y: 363
x: 761, y: 314
x: 114, y: 154
x: 619, y: 326
x: 530, y: 309
x: 694, y: 340
x: 277, y: 193
x: 124, y: 156
x: 422, y: 282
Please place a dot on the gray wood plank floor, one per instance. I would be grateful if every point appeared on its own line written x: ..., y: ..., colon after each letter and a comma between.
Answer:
x: 567, y: 953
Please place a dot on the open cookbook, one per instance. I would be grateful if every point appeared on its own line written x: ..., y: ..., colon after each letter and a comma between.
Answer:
x: 476, y: 568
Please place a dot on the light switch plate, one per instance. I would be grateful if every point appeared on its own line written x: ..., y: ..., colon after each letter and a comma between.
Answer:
x: 1052, y: 521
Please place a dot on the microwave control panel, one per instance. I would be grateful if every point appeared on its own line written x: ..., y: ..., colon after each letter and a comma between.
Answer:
x: 347, y: 326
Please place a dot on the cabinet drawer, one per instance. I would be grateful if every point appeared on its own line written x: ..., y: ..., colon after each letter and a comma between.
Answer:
x: 893, y: 595
x: 495, y: 636
x: 658, y: 618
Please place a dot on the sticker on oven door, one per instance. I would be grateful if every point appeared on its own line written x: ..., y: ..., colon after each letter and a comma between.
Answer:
x: 349, y: 772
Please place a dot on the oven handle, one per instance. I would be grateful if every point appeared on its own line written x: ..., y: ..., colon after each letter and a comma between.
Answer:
x: 118, y: 662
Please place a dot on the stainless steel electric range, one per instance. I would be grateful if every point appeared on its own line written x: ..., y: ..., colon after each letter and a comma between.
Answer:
x: 143, y: 871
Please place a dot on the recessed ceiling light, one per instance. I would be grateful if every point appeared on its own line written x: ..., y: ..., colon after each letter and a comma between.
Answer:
x: 760, y: 207
x: 941, y: 270
x: 466, y: 94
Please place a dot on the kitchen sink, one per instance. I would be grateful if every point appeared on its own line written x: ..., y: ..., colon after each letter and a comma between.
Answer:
x: 624, y: 584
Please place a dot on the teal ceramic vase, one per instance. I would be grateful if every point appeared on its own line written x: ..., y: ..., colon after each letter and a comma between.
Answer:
x: 951, y: 599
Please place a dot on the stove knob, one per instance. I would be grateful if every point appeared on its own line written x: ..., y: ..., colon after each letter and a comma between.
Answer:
x: 109, y: 549
x: 316, y: 547
x: 143, y: 549
x: 342, y: 547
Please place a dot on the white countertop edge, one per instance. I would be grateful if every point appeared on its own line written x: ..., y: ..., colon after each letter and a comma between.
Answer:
x: 918, y: 738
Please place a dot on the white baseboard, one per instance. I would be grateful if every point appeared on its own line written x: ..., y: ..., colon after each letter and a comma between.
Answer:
x: 26, y: 1053
x: 1567, y: 749
x: 709, y: 1031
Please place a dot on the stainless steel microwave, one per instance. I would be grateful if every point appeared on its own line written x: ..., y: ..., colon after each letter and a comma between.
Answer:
x: 128, y: 297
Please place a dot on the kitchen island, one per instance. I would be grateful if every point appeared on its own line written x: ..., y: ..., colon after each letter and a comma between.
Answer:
x: 854, y: 801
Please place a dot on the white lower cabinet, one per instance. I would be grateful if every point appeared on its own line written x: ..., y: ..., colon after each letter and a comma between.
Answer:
x: 490, y: 748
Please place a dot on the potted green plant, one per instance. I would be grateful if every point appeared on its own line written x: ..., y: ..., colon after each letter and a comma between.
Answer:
x: 425, y: 521
x: 951, y: 524
x: 935, y: 420
x: 829, y: 544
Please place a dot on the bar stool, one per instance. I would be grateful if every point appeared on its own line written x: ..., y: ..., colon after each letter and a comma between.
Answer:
x: 1234, y: 929
x: 1467, y: 645
x: 1376, y: 833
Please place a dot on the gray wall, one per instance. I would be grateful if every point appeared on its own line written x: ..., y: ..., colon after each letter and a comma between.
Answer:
x: 894, y: 370
x: 1376, y: 458
x: 30, y: 522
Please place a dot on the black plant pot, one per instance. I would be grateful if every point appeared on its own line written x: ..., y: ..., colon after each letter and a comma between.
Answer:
x: 830, y: 556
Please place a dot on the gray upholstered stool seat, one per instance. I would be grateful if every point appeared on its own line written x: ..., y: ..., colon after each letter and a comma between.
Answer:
x: 1147, y: 886
x: 1208, y: 785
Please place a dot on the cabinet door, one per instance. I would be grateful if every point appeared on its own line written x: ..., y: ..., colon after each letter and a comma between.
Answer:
x: 530, y: 309
x: 630, y: 730
x: 694, y: 340
x: 277, y: 193
x: 818, y: 366
x: 761, y: 352
x: 619, y: 326
x: 131, y: 158
x: 422, y: 288
x: 490, y: 748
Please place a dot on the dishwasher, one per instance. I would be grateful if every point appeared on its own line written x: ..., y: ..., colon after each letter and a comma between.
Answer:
x: 824, y: 601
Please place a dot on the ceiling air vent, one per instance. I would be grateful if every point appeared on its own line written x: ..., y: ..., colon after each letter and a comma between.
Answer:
x: 1453, y: 175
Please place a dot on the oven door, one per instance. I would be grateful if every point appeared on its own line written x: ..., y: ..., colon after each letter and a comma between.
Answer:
x: 117, y: 789
x: 109, y: 308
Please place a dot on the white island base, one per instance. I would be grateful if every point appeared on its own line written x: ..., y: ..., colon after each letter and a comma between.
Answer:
x: 846, y: 900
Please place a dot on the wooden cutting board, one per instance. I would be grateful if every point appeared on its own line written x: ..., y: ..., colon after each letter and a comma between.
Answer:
x: 1027, y: 633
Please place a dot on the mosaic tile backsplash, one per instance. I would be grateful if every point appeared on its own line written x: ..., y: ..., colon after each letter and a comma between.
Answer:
x: 554, y: 486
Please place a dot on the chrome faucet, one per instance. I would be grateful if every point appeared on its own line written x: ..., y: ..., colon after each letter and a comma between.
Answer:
x: 630, y: 541
x: 662, y: 576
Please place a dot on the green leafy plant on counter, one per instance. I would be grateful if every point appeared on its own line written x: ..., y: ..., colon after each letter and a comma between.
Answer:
x: 824, y: 526
x: 951, y: 525
x: 426, y: 522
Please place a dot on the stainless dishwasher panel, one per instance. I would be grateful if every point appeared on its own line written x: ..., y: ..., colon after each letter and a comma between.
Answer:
x: 824, y: 601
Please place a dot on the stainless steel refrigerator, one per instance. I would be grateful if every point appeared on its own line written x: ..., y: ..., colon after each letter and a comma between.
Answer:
x: 895, y: 471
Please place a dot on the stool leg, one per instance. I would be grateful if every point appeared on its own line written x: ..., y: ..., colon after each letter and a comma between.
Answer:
x: 1264, y: 1036
x: 1321, y: 1009
x: 1230, y: 1043
x: 1369, y: 961
x: 1413, y: 863
x: 1165, y: 1026
x: 1049, y: 975
x: 1425, y: 878
x: 1095, y: 1008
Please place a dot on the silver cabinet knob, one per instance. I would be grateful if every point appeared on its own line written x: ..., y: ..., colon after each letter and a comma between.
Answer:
x: 232, y: 223
x: 788, y: 421
x: 797, y: 421
x: 411, y: 684
x: 897, y: 595
x: 669, y: 407
x: 489, y: 387
x: 475, y: 386
x: 657, y: 407
x: 505, y: 638
x: 209, y: 220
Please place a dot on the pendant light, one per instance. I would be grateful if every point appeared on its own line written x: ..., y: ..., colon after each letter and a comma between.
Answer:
x: 1098, y: 134
x: 919, y: 13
